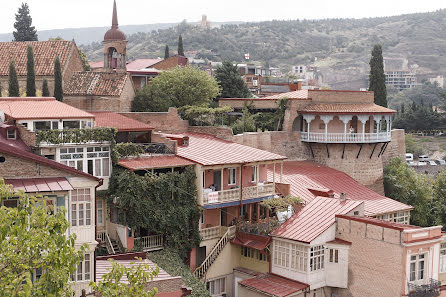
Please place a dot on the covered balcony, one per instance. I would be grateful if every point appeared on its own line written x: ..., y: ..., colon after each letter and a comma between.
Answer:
x: 346, y: 128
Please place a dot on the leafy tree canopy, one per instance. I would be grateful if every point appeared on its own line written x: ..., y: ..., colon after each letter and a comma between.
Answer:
x: 178, y: 87
x: 33, y: 237
x: 231, y: 82
x: 24, y: 30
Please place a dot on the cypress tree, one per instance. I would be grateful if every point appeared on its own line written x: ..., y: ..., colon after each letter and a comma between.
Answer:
x: 377, y: 78
x: 24, y: 30
x: 13, y: 88
x: 166, y: 52
x: 231, y: 82
x: 180, y: 46
x: 58, y: 92
x: 45, y: 90
x: 30, y: 75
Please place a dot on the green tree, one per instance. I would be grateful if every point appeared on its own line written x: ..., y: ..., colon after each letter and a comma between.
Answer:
x: 231, y: 82
x: 13, y: 87
x: 403, y: 184
x: 84, y: 60
x: 58, y: 92
x: 45, y: 90
x: 439, y: 199
x: 33, y: 236
x: 177, y: 87
x: 166, y: 52
x: 24, y: 30
x: 377, y: 78
x: 30, y: 74
x: 180, y: 46
x: 137, y: 276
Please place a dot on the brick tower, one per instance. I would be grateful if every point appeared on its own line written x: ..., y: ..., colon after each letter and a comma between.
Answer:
x: 114, y: 46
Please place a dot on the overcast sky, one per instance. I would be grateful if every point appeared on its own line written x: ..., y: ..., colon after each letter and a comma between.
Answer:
x: 58, y: 14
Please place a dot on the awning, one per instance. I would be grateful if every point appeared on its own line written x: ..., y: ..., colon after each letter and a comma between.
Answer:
x: 46, y: 184
x: 254, y: 241
x: 274, y: 285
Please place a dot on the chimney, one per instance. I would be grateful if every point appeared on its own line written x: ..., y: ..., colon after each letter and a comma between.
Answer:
x: 342, y: 197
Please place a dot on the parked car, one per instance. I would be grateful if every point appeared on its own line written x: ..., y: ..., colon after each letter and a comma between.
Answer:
x: 423, y: 158
x: 432, y: 163
x: 440, y: 162
x: 409, y: 157
x: 411, y: 163
x: 422, y: 163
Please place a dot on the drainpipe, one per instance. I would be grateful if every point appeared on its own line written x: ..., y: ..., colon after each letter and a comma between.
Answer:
x: 101, y: 182
x: 241, y: 189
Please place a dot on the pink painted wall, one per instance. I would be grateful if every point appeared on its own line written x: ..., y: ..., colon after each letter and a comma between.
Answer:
x: 211, y: 218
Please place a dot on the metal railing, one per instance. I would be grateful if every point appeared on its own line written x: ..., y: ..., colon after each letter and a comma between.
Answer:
x: 155, y: 148
x: 109, y: 245
x: 218, y: 247
x: 345, y: 137
x: 150, y: 243
x: 431, y: 289
x: 234, y: 194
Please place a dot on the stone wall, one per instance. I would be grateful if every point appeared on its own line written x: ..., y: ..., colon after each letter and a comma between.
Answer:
x: 28, y: 137
x: 396, y: 148
x: 168, y: 122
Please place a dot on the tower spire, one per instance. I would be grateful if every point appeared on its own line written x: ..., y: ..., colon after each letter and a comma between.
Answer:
x: 115, y: 16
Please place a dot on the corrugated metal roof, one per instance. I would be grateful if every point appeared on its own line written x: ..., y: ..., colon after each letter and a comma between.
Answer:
x: 382, y: 223
x: 154, y: 162
x: 40, y: 108
x: 254, y: 241
x: 207, y: 149
x: 274, y: 285
x: 120, y: 122
x: 139, y: 64
x: 315, y: 218
x: 345, y: 108
x: 305, y: 175
x: 46, y: 184
x: 300, y: 94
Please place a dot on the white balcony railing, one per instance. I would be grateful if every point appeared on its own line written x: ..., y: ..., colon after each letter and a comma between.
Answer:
x: 230, y: 195
x: 150, y: 243
x: 345, y: 138
x: 213, y: 232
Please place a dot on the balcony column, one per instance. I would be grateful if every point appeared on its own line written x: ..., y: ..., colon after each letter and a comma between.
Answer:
x: 345, y: 119
x: 326, y: 119
x: 308, y: 118
x: 363, y: 119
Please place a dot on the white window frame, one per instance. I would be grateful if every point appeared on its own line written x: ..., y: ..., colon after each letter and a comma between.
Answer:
x: 83, y: 270
x: 281, y: 254
x: 333, y: 256
x: 100, y: 212
x: 232, y: 176
x: 217, y: 287
x: 254, y: 170
x: 415, y: 269
x: 317, y: 256
x: 81, y: 208
x: 79, y: 157
x: 443, y: 257
x: 401, y: 217
x: 299, y: 258
x: 14, y: 134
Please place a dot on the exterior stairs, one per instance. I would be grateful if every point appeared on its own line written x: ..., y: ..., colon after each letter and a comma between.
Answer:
x: 201, y: 270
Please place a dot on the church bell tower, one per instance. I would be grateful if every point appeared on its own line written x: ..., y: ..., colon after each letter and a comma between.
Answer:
x: 114, y: 46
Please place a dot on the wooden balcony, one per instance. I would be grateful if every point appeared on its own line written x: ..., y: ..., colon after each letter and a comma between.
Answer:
x: 345, y: 137
x: 150, y: 243
x: 230, y: 195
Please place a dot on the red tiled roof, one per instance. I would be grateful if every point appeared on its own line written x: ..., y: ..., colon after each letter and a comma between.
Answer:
x: 207, y: 149
x: 7, y: 149
x: 120, y: 122
x: 95, y: 83
x: 340, y: 241
x: 377, y: 222
x: 254, y: 241
x: 139, y: 64
x: 345, y: 108
x: 305, y: 175
x: 44, y: 54
x: 46, y: 184
x: 315, y: 218
x: 96, y: 64
x: 154, y: 162
x: 274, y: 285
x: 40, y: 108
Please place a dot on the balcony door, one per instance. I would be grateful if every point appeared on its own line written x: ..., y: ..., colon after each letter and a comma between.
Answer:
x: 217, y: 180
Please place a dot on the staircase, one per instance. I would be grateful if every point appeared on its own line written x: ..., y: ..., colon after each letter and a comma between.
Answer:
x: 115, y: 246
x: 201, y: 270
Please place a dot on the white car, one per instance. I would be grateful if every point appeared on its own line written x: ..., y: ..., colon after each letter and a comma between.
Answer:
x: 440, y: 162
x: 422, y: 163
x: 432, y: 163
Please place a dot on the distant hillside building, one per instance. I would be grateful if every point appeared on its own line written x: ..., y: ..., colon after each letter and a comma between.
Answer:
x: 398, y: 74
x: 204, y: 23
x: 110, y: 88
x: 45, y: 52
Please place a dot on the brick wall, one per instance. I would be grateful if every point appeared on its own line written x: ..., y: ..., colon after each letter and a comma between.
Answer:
x: 396, y: 148
x: 333, y: 96
x: 28, y: 137
x: 169, y: 122
x: 73, y: 64
x: 375, y: 260
x: 14, y: 167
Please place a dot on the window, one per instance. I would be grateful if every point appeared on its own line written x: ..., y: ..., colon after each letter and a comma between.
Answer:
x: 100, y: 211
x: 443, y: 257
x: 299, y: 257
x: 417, y: 267
x: 11, y: 133
x: 80, y: 207
x: 281, y: 253
x: 83, y: 270
x: 95, y: 161
x: 253, y: 253
x: 254, y: 174
x: 334, y: 256
x: 316, y: 258
x: 202, y: 217
x: 401, y: 217
x: 71, y: 125
x: 216, y: 286
x: 42, y: 125
x: 232, y: 176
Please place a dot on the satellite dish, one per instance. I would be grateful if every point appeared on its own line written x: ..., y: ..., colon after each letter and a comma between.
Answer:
x: 2, y: 117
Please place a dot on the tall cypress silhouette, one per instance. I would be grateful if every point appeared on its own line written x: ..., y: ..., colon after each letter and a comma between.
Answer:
x: 58, y: 92
x: 180, y: 46
x: 30, y: 74
x: 377, y: 78
x: 166, y: 52
x: 13, y: 88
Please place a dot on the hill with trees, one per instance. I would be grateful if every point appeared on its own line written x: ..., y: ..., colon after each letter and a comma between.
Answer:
x: 340, y: 48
